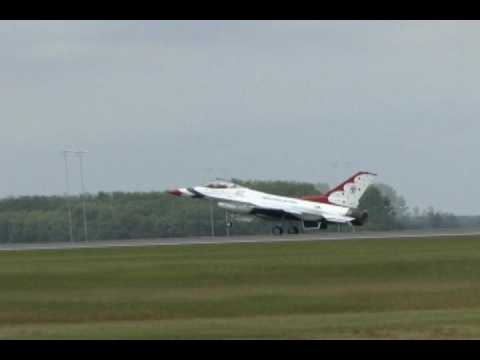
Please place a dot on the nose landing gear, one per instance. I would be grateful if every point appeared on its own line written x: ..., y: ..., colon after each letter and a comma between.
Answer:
x: 228, y: 222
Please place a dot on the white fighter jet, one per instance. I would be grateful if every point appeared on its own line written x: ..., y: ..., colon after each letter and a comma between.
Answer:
x: 337, y: 206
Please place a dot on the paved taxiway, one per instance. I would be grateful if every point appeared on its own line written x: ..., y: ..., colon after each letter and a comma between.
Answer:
x: 318, y: 236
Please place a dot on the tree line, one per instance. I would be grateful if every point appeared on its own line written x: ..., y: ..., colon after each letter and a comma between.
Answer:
x: 135, y: 215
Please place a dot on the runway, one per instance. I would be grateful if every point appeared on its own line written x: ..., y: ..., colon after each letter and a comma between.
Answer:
x: 202, y: 240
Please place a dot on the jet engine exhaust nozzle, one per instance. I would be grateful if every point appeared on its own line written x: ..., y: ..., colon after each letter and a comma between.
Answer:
x: 360, y: 217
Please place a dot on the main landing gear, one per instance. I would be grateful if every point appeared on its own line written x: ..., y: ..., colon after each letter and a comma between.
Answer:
x: 293, y: 230
x: 277, y: 230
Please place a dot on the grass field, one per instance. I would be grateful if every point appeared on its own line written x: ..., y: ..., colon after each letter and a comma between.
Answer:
x: 409, y: 288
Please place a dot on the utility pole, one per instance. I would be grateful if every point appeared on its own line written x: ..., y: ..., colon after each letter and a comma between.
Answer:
x: 212, y: 222
x: 9, y: 230
x: 82, y: 195
x: 209, y: 172
x: 67, y: 195
x: 79, y: 154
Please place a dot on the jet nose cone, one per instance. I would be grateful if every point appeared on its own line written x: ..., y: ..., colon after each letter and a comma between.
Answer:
x: 175, y: 192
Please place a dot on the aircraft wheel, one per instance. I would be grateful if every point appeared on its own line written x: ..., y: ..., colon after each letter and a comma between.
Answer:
x: 293, y: 230
x: 277, y: 230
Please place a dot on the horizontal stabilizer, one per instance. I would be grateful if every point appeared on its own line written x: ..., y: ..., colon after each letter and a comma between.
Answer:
x: 338, y: 218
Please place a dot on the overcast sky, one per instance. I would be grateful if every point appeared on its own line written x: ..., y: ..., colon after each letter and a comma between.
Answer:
x: 157, y: 104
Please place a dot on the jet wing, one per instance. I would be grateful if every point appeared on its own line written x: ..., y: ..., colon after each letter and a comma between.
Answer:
x: 286, y: 212
x: 276, y: 212
x: 257, y: 209
x: 264, y: 206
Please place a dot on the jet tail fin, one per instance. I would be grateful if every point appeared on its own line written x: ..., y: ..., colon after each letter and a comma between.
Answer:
x: 349, y: 192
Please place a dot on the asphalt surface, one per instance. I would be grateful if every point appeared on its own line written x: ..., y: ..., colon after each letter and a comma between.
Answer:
x: 316, y: 236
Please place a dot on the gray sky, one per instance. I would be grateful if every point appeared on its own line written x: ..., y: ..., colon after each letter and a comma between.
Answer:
x: 157, y: 103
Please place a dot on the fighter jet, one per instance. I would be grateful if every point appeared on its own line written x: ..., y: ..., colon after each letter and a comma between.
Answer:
x: 337, y: 206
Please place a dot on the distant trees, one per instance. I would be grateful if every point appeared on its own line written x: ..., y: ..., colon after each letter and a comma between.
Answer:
x: 431, y: 218
x: 381, y: 212
x: 120, y: 215
x: 388, y: 210
x: 397, y: 202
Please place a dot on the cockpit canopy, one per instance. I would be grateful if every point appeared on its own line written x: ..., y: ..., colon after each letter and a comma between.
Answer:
x: 221, y: 184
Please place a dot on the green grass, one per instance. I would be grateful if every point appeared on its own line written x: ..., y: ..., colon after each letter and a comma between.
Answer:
x: 409, y: 288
